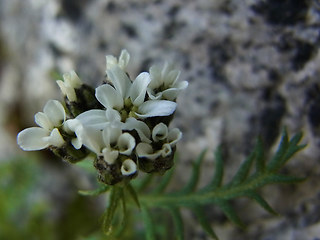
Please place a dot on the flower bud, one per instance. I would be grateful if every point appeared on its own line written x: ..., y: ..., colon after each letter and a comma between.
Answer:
x: 128, y: 167
x: 121, y: 169
x: 85, y: 101
x: 68, y: 153
x: 151, y: 160
x: 109, y: 174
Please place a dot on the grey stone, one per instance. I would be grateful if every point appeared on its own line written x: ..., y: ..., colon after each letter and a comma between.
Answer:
x: 252, y: 67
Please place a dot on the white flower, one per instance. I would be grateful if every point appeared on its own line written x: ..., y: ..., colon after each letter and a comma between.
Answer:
x: 114, y: 97
x: 110, y: 155
x: 108, y: 143
x: 174, y: 136
x: 115, y: 143
x: 122, y: 62
x: 110, y: 139
x: 114, y: 138
x: 142, y: 128
x: 68, y: 86
x: 126, y: 144
x: 87, y: 136
x: 74, y: 126
x: 100, y: 119
x: 159, y: 133
x: 37, y: 138
x: 117, y: 96
x: 164, y: 83
x: 128, y: 167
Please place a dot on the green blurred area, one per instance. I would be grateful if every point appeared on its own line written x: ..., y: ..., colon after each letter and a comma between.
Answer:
x: 27, y: 211
x: 37, y: 204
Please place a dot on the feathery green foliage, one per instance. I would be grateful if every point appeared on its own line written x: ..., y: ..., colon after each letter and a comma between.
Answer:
x: 255, y: 172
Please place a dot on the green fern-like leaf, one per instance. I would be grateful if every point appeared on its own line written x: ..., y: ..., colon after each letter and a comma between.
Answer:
x: 149, y: 225
x: 245, y: 183
x: 259, y: 199
x: 192, y: 184
x: 218, y: 174
x: 95, y: 192
x: 132, y: 194
x: 198, y: 211
x: 178, y: 222
x: 260, y: 156
x: 285, y: 151
x: 227, y: 209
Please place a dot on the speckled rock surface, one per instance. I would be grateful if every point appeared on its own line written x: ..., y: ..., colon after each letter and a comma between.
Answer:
x: 252, y: 66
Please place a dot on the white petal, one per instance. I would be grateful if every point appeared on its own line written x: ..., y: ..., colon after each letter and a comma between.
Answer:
x: 172, y: 93
x: 166, y: 150
x: 67, y: 87
x: 110, y: 135
x: 181, y: 85
x: 142, y: 128
x: 55, y: 112
x: 146, y: 150
x: 74, y: 126
x: 110, y: 156
x: 159, y: 132
x: 62, y: 87
x: 124, y: 59
x: 138, y: 88
x: 128, y: 167
x: 43, y: 121
x: 55, y: 138
x: 113, y: 117
x: 165, y: 72
x: 93, y: 118
x: 126, y: 143
x: 120, y: 80
x: 155, y: 75
x: 71, y: 125
x: 76, y: 143
x: 153, y: 108
x: 110, y: 61
x: 170, y: 78
x: 89, y: 136
x: 92, y: 139
x: 109, y: 97
x: 68, y: 91
x: 174, y: 136
x: 32, y: 139
x: 72, y: 79
x: 122, y: 62
x: 152, y: 95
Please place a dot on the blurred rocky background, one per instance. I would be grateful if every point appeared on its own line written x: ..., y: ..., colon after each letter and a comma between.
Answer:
x: 253, y: 67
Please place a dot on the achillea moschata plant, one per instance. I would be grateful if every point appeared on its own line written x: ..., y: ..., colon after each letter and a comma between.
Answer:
x: 124, y: 125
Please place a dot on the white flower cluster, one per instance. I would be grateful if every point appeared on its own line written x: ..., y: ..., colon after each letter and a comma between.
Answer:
x: 123, y: 122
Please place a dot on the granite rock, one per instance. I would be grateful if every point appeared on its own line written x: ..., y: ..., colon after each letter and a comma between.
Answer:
x: 252, y: 68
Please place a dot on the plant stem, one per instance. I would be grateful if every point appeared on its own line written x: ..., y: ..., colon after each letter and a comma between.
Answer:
x: 207, y: 196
